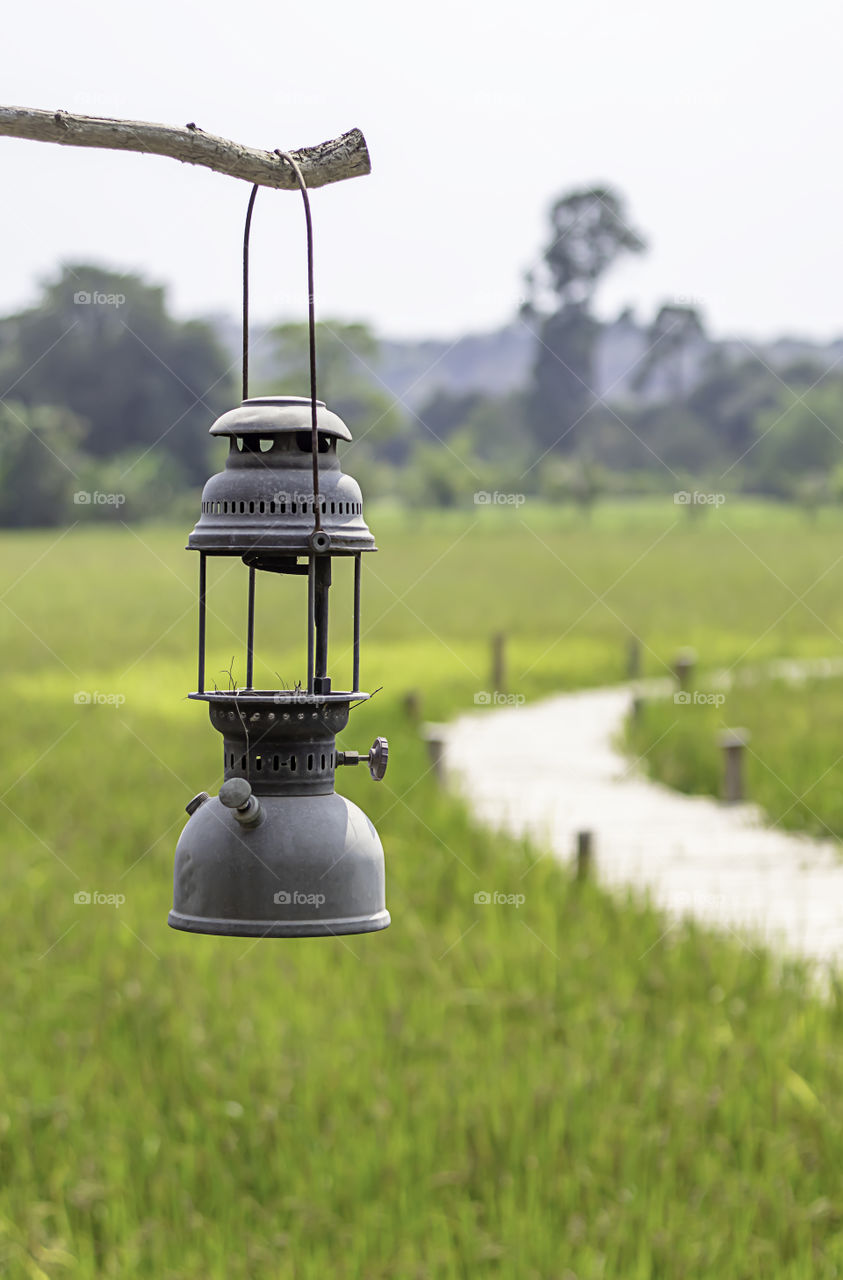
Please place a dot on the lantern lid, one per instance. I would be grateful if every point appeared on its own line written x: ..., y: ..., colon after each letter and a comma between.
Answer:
x: 279, y: 415
x: 262, y: 502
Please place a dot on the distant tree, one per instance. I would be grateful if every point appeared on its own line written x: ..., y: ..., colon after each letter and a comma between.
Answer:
x: 800, y: 439
x: 436, y: 479
x: 675, y: 341
x: 812, y: 491
x: 574, y: 482
x: 447, y: 411
x: 137, y: 486
x: 562, y: 381
x: 668, y: 436
x: 733, y: 395
x: 494, y: 432
x: 104, y: 345
x: 346, y: 354
x: 38, y: 465
x: 589, y: 230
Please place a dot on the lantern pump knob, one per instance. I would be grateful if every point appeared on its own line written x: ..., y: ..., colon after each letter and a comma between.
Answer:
x: 378, y: 758
x: 236, y: 794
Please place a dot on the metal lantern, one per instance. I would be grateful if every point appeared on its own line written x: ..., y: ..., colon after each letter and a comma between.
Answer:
x: 278, y: 853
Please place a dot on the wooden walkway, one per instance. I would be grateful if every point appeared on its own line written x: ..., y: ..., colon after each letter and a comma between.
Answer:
x: 553, y: 768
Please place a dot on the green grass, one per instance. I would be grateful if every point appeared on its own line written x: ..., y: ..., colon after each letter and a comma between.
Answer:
x: 793, y: 761
x: 557, y: 1090
x: 568, y: 593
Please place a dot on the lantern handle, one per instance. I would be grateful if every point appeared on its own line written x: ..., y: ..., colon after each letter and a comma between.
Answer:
x: 311, y: 325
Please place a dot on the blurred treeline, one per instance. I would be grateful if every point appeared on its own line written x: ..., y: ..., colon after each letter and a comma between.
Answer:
x: 106, y: 398
x: 105, y: 401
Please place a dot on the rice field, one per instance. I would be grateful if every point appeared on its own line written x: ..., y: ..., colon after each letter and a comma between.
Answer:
x: 553, y: 1090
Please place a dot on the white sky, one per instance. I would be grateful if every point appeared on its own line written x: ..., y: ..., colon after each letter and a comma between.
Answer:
x: 720, y: 123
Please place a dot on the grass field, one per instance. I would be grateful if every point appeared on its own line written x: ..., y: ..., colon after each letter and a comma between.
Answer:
x: 553, y: 1091
x: 793, y: 760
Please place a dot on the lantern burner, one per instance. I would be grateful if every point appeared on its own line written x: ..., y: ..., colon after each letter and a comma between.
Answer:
x: 281, y: 744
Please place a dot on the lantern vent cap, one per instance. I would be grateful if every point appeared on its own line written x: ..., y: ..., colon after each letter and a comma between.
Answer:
x: 279, y: 415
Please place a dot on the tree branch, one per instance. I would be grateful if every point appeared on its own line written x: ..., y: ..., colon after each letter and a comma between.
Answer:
x: 333, y: 161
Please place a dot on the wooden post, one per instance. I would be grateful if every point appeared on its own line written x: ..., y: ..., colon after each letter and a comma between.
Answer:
x: 637, y: 708
x: 633, y: 658
x: 733, y: 742
x: 412, y: 705
x: 434, y: 737
x: 584, y: 855
x: 499, y: 662
x: 683, y: 667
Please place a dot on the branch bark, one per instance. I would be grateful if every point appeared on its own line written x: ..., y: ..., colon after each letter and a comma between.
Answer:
x: 332, y: 161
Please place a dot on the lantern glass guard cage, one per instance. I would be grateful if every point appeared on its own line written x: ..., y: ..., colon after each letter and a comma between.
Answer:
x: 261, y: 508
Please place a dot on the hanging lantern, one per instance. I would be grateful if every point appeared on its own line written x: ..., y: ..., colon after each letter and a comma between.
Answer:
x: 278, y: 853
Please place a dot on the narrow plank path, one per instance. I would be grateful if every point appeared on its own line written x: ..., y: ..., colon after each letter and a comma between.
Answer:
x: 551, y: 769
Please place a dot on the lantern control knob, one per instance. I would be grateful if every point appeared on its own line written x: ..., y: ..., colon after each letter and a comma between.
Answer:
x: 236, y: 794
x: 196, y: 802
x: 378, y: 758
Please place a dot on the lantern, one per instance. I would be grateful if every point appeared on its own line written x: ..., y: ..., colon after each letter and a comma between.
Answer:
x: 278, y: 853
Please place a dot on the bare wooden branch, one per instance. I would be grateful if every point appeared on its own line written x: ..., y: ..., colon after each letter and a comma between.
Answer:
x: 333, y: 161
